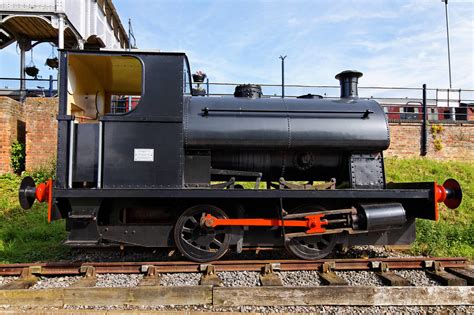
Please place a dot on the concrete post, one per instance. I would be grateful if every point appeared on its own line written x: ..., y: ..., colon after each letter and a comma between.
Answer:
x: 61, y: 32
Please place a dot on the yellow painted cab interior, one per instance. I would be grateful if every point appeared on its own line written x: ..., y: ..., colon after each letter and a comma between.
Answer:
x: 97, y: 84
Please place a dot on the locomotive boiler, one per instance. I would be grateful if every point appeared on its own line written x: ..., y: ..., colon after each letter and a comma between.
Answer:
x: 209, y: 174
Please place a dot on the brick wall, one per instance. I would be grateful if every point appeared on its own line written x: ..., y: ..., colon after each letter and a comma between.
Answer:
x: 11, y: 129
x: 456, y: 140
x: 33, y: 123
x: 41, y: 131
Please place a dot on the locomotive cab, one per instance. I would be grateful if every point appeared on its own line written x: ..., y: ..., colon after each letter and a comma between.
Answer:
x: 117, y: 120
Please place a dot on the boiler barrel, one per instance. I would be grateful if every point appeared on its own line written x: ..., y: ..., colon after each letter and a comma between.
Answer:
x: 227, y: 123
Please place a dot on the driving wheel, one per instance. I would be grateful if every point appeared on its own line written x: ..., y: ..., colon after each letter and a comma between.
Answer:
x: 310, y: 247
x: 198, y: 242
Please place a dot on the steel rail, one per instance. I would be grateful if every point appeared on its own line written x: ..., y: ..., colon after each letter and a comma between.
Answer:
x: 74, y: 268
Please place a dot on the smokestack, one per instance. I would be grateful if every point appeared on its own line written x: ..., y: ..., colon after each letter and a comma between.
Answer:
x: 348, y: 80
x: 248, y: 90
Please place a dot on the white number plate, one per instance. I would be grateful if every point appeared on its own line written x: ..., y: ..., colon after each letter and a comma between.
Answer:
x: 144, y: 155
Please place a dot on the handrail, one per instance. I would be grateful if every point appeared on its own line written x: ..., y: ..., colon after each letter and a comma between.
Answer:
x: 206, y: 111
x: 27, y: 79
x: 337, y: 86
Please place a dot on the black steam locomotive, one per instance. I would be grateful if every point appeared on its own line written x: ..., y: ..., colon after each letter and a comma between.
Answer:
x: 169, y: 172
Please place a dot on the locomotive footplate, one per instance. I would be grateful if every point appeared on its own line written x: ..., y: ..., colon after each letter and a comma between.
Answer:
x: 418, y: 199
x: 425, y: 191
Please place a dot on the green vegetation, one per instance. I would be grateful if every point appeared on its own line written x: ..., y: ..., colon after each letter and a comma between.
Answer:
x: 453, y: 234
x: 436, y: 130
x: 43, y: 173
x: 26, y: 236
x: 8, y: 193
x: 17, y: 157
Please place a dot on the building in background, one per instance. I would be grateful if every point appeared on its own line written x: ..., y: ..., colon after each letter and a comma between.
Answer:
x: 84, y: 24
x: 69, y: 24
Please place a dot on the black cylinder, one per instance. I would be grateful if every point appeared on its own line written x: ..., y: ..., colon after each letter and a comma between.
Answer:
x: 348, y: 80
x: 380, y: 217
x: 248, y: 90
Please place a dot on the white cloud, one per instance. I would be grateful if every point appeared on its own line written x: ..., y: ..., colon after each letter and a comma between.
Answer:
x: 399, y: 42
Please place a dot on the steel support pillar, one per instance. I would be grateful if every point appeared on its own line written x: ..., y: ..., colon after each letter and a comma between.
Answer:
x: 24, y: 45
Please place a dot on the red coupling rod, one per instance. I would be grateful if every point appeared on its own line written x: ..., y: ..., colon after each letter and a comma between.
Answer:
x: 313, y: 223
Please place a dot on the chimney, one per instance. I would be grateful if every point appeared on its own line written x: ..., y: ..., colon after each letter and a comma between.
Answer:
x: 248, y: 90
x: 348, y: 80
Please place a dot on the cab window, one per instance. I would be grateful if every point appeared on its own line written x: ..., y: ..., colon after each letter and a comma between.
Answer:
x: 102, y: 84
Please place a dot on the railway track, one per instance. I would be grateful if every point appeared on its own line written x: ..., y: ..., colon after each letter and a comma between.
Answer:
x: 76, y: 268
x: 455, y: 277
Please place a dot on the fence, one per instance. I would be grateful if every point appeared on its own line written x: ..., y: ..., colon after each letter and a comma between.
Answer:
x: 34, y: 87
x: 399, y: 103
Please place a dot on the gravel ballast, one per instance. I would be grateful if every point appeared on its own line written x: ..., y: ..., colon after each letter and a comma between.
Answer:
x: 282, y: 309
x: 179, y: 279
x: 417, y: 277
x: 54, y: 282
x: 370, y: 251
x: 110, y: 280
x: 239, y: 278
x: 300, y: 278
x: 5, y: 280
x: 360, y: 278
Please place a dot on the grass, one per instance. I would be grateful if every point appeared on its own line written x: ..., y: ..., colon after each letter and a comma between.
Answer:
x: 453, y: 234
x: 8, y: 191
x: 25, y: 235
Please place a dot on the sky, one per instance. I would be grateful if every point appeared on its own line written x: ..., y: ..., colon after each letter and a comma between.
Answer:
x: 393, y: 42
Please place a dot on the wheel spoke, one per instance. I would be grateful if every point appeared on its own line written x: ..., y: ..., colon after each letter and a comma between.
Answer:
x: 216, y: 242
x: 187, y: 230
x: 185, y: 238
x: 193, y: 220
x: 190, y: 243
